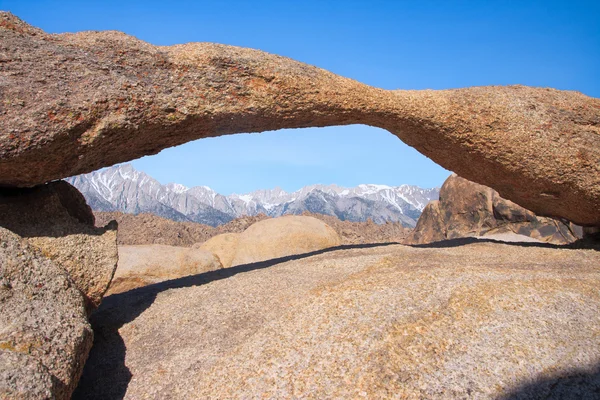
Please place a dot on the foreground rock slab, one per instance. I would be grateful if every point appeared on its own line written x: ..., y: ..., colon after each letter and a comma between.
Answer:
x: 468, y: 209
x: 44, y: 334
x: 73, y: 103
x: 56, y: 220
x: 463, y: 320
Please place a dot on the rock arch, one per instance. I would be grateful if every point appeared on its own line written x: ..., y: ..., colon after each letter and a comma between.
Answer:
x: 73, y: 103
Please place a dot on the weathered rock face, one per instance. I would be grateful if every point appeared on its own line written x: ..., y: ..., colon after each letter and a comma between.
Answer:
x: 475, y: 321
x: 146, y: 228
x: 56, y: 220
x: 73, y: 103
x: 283, y: 236
x: 146, y: 264
x: 44, y: 334
x: 469, y: 209
x: 223, y: 246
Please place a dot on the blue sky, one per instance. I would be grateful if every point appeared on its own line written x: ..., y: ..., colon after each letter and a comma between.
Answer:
x: 390, y: 44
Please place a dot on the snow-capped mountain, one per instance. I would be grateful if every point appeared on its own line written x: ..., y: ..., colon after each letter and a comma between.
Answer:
x: 122, y: 188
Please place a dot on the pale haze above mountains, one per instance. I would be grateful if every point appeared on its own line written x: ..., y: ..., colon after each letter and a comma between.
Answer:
x: 122, y: 188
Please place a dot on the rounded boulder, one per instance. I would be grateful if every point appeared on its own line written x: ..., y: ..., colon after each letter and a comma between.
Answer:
x: 284, y: 236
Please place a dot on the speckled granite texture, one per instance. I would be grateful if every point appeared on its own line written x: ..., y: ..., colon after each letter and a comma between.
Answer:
x: 464, y: 320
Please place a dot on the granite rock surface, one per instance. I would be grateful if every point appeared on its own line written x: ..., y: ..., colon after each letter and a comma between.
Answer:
x: 223, y: 246
x: 143, y: 265
x: 75, y: 102
x: 44, y: 333
x: 56, y: 220
x: 470, y: 318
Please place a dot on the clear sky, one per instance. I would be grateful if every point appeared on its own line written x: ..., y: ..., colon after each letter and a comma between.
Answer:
x: 390, y: 44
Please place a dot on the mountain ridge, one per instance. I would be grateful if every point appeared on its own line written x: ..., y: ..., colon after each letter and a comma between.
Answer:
x: 125, y: 189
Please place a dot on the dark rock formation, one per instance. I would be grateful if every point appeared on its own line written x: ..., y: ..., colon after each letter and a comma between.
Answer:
x: 73, y: 103
x: 44, y: 334
x: 56, y: 220
x: 469, y: 209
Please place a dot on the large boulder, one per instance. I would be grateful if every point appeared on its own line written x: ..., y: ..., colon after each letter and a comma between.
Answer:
x: 44, y: 334
x: 482, y: 321
x: 283, y: 236
x: 142, y: 265
x: 56, y: 220
x: 469, y: 209
x: 73, y: 103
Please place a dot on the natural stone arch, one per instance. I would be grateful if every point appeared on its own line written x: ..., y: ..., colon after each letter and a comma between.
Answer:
x: 73, y: 103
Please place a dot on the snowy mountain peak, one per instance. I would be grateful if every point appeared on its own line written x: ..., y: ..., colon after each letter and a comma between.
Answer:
x: 177, y: 188
x: 372, y: 188
x: 122, y: 188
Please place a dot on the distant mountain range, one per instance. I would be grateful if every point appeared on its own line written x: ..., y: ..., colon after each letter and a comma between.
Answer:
x: 122, y: 188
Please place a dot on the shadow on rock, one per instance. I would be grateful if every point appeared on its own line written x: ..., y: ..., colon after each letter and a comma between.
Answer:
x: 471, y: 240
x: 105, y: 375
x: 581, y: 244
x: 575, y: 385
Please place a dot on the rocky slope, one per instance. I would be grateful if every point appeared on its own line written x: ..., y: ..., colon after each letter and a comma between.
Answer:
x: 479, y: 320
x: 74, y: 103
x: 122, y: 188
x: 151, y: 229
x: 364, y: 232
x: 468, y: 209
